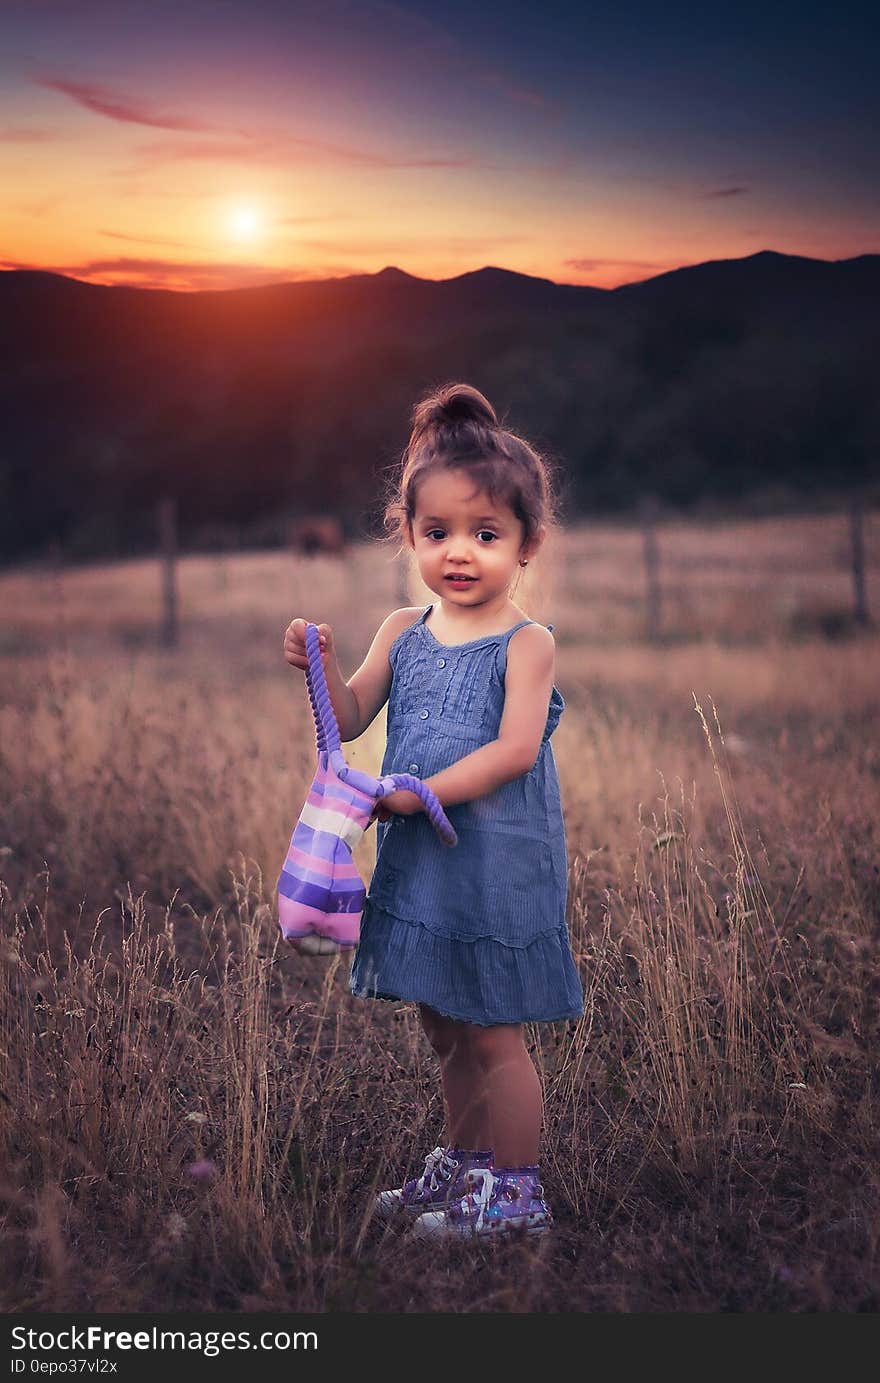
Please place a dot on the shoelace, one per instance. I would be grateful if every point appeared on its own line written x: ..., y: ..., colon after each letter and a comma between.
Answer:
x: 488, y: 1182
x: 436, y: 1161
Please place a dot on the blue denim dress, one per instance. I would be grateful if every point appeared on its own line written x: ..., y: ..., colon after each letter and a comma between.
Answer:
x: 478, y: 931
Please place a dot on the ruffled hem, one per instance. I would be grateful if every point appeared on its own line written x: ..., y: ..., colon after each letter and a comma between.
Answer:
x: 480, y: 981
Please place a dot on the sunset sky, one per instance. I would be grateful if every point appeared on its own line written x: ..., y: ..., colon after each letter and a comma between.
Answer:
x: 213, y: 143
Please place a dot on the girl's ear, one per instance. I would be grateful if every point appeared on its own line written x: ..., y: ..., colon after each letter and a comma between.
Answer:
x: 533, y: 545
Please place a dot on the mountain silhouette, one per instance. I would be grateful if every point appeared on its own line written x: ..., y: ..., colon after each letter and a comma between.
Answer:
x: 708, y: 383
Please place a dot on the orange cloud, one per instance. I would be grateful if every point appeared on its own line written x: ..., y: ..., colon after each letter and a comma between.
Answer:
x: 587, y: 265
x: 144, y: 239
x: 166, y: 273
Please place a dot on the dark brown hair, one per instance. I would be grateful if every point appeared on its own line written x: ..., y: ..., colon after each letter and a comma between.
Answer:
x: 455, y: 427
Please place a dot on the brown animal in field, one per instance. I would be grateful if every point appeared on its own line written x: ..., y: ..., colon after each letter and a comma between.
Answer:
x: 319, y: 533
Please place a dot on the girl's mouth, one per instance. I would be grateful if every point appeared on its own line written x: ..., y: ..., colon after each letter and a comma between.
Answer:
x: 460, y: 580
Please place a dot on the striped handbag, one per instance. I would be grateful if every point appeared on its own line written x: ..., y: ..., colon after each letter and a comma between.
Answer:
x: 320, y: 892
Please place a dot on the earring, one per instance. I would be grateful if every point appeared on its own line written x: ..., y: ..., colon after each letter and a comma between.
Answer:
x: 525, y: 563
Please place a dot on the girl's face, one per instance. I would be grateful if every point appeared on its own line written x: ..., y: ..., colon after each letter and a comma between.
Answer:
x: 456, y: 529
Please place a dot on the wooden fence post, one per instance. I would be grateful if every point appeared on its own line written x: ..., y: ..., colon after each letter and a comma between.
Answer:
x: 648, y: 508
x: 857, y: 554
x: 168, y: 548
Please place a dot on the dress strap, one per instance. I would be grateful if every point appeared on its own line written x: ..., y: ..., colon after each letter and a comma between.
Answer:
x: 523, y: 622
x: 506, y: 635
x: 520, y: 625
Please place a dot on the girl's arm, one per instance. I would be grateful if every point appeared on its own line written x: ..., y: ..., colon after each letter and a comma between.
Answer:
x: 479, y: 773
x: 358, y: 701
x: 528, y: 685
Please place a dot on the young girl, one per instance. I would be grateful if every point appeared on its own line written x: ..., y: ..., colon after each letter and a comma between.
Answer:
x: 475, y: 935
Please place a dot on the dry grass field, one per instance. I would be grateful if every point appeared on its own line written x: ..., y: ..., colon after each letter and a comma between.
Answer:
x: 194, y: 1118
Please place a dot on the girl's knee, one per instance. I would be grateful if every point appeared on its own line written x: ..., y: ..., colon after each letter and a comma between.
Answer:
x: 446, y: 1035
x: 491, y: 1045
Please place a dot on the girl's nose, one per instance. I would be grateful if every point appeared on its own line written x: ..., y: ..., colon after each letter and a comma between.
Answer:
x: 457, y: 550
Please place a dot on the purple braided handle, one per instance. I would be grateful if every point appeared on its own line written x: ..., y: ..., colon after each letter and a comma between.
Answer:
x: 327, y: 731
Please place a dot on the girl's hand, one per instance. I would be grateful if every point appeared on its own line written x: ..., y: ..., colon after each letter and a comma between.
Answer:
x: 399, y: 803
x: 295, y: 643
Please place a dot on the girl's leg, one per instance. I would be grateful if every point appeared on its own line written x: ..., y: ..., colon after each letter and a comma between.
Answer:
x: 506, y: 1083
x: 463, y: 1102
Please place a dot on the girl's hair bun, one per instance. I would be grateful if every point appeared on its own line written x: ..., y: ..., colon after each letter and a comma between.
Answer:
x: 455, y: 427
x: 453, y: 404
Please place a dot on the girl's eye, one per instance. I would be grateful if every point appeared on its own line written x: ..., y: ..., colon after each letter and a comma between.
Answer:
x: 483, y: 532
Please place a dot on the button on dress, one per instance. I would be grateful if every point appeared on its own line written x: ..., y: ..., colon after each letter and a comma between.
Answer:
x: 477, y: 931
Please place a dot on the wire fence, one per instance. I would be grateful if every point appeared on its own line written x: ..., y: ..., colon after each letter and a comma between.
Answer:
x: 658, y: 578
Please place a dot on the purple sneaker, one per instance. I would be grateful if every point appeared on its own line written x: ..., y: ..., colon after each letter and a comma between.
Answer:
x: 508, y: 1199
x: 442, y: 1181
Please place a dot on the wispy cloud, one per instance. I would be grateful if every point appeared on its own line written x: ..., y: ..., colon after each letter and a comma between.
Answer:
x: 41, y: 206
x: 20, y: 134
x: 442, y: 244
x: 585, y: 266
x: 425, y: 38
x: 144, y: 239
x: 727, y: 192
x: 183, y: 266
x: 115, y: 106
x: 288, y: 150
x: 520, y: 93
x: 251, y: 146
x: 171, y: 274
x: 330, y: 219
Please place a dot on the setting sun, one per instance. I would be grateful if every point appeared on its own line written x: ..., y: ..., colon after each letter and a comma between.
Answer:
x: 244, y: 222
